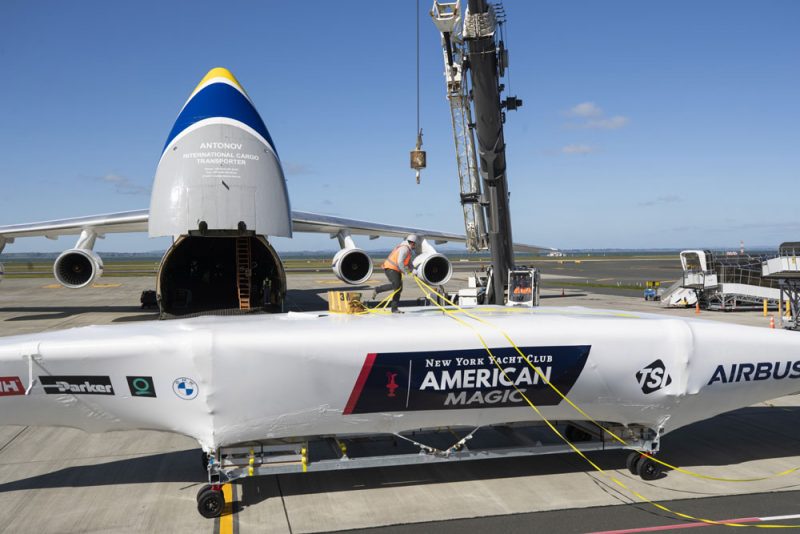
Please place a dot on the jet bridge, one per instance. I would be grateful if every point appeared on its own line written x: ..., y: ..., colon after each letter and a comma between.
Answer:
x: 785, y: 270
x: 728, y: 282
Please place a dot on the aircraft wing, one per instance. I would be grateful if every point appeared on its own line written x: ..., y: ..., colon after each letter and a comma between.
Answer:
x: 137, y: 220
x: 313, y: 222
x: 125, y: 221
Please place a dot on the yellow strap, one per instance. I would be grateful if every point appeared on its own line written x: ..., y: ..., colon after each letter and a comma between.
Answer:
x: 452, y: 315
x: 592, y: 420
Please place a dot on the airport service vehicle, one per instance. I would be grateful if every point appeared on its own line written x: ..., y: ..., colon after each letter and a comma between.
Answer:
x: 300, y: 392
x: 219, y: 191
x: 652, y: 290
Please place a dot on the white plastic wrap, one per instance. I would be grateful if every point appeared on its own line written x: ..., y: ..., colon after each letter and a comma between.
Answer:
x: 229, y: 380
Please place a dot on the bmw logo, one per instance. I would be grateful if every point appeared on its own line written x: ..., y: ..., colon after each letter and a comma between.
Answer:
x: 185, y: 388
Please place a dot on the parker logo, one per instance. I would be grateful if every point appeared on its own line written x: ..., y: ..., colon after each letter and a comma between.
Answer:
x: 11, y: 385
x: 653, y: 377
x: 77, y: 385
x: 141, y: 386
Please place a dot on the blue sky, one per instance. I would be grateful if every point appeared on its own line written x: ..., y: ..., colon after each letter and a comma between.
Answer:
x: 645, y: 124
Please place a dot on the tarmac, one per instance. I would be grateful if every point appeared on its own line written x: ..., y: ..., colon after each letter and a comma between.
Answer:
x: 58, y: 480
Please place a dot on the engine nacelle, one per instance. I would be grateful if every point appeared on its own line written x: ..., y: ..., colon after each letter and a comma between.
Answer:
x: 352, y: 265
x: 77, y: 268
x: 434, y: 268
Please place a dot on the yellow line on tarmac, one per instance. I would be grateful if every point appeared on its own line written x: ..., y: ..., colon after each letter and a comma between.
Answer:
x: 106, y: 285
x: 52, y: 286
x: 226, y: 519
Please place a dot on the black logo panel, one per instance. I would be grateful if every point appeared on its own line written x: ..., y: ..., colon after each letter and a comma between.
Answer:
x: 141, y: 386
x: 466, y: 379
x: 77, y: 385
x: 653, y: 377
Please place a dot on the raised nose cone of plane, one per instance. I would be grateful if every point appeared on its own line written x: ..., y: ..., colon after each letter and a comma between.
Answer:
x: 219, y: 171
x: 219, y: 95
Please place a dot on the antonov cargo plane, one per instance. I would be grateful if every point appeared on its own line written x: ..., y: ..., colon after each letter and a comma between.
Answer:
x: 219, y: 192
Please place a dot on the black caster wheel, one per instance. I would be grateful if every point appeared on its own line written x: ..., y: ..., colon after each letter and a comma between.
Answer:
x: 632, y: 461
x: 210, y: 502
x: 648, y: 469
x: 203, y: 489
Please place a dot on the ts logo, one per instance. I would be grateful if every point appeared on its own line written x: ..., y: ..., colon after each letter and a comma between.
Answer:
x: 653, y: 377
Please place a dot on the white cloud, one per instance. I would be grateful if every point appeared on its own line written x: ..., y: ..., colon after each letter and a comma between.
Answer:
x: 665, y: 199
x: 296, y: 169
x: 592, y: 116
x: 585, y: 109
x: 123, y: 185
x: 577, y: 149
x: 610, y: 123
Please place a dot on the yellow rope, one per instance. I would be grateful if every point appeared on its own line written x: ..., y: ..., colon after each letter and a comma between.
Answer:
x: 452, y: 315
x: 577, y: 408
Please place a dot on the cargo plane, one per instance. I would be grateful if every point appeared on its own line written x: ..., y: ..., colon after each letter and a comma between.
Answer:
x: 220, y: 193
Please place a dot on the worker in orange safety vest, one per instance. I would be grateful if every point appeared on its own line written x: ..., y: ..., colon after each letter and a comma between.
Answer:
x: 397, y: 263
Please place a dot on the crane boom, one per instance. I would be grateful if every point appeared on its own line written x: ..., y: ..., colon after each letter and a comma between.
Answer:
x: 447, y: 17
x: 476, y: 49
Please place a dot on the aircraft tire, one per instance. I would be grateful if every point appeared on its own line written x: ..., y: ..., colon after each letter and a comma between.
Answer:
x: 210, y: 502
x: 647, y: 469
x: 632, y: 461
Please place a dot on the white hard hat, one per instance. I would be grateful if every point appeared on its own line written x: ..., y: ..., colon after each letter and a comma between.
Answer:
x: 411, y: 238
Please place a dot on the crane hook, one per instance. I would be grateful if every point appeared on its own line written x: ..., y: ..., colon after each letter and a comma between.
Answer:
x: 418, y: 156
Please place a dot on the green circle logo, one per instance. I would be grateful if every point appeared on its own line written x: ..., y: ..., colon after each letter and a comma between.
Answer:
x: 141, y: 386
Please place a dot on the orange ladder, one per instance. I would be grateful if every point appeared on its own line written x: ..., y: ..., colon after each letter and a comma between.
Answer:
x: 243, y: 271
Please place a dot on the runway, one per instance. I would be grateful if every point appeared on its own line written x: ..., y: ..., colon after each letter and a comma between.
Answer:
x: 56, y: 480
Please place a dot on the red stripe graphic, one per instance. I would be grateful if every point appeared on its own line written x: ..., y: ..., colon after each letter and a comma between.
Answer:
x: 362, y: 378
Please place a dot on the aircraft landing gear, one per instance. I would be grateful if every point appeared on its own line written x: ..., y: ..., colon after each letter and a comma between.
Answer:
x: 210, y: 501
x: 646, y: 468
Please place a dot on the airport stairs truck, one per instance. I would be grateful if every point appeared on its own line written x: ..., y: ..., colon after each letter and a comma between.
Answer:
x: 728, y: 282
x: 785, y: 270
x: 676, y: 296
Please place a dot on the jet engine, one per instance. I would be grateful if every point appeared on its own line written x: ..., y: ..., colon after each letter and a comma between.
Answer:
x: 77, y: 268
x: 433, y: 267
x: 352, y: 265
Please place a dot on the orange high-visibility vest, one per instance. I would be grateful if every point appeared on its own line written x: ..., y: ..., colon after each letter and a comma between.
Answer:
x: 391, y: 261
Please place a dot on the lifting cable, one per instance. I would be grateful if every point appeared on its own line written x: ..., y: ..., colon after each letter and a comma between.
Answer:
x: 417, y: 2
x: 452, y: 314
